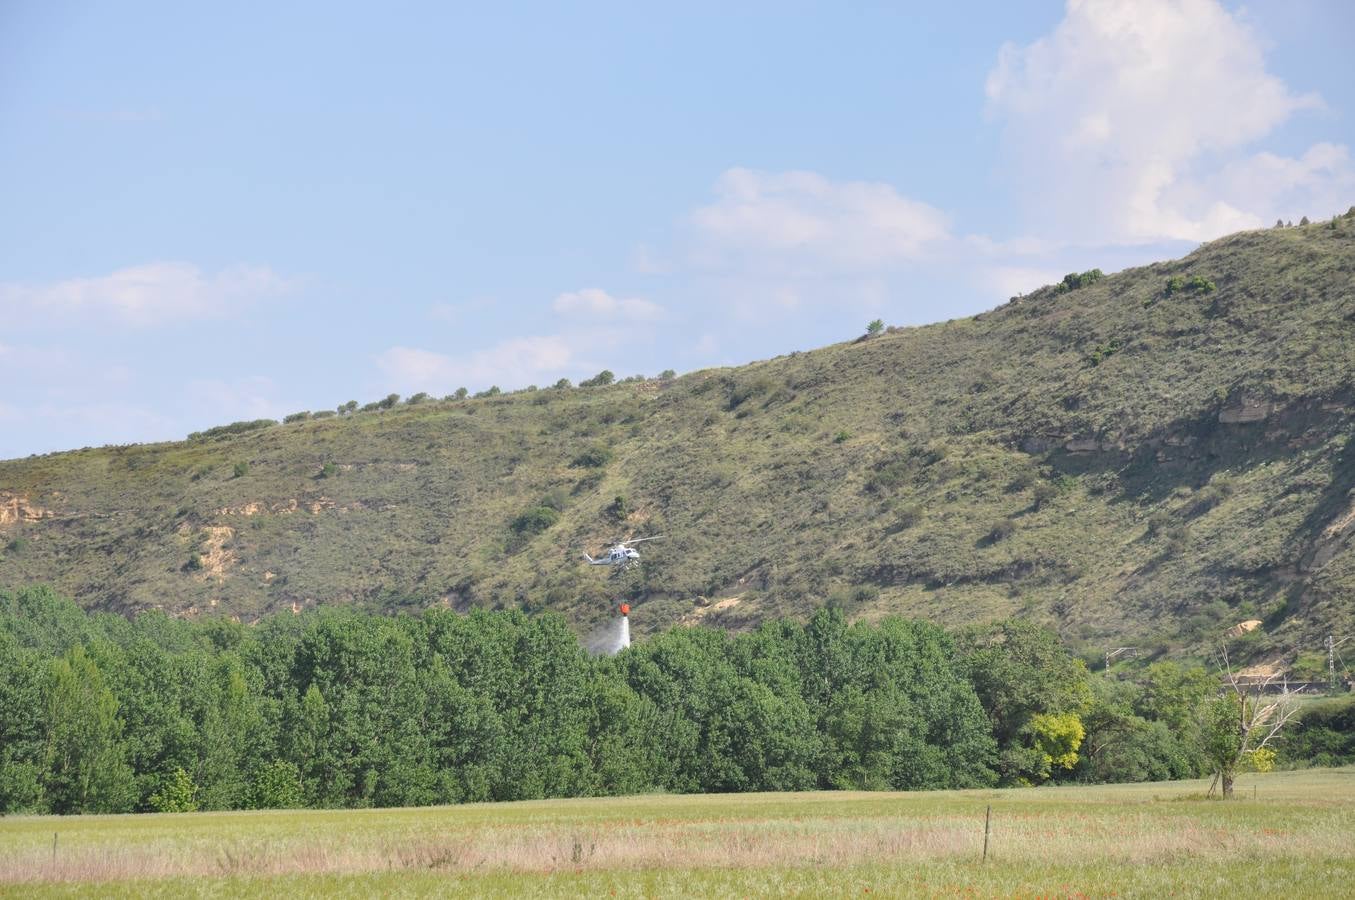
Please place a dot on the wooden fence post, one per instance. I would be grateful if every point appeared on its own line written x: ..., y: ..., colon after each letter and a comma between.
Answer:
x: 987, y: 826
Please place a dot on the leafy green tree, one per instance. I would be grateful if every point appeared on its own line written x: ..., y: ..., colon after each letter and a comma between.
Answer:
x: 21, y: 727
x: 1020, y: 670
x: 1121, y: 745
x: 1176, y: 696
x: 624, y: 742
x: 601, y: 379
x: 1324, y: 734
x: 177, y: 794
x: 875, y: 326
x: 1057, y: 737
x: 276, y: 785
x: 309, y: 745
x: 460, y: 393
x: 84, y: 765
x: 1238, y: 731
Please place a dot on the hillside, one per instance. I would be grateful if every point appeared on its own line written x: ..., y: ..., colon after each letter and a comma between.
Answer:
x: 1131, y: 462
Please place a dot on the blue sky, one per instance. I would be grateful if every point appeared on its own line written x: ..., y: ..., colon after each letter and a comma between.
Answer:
x: 216, y: 213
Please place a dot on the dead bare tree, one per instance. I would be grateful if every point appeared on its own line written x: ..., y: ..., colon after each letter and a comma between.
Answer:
x: 1239, y: 724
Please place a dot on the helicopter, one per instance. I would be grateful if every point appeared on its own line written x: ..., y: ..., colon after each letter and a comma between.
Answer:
x: 621, y: 555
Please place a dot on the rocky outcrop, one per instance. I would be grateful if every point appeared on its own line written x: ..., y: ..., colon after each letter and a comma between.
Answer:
x: 1246, y: 412
x: 1242, y: 628
x: 1332, y: 538
x: 16, y: 509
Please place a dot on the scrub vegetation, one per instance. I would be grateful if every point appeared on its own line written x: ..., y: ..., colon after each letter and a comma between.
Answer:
x: 1144, y: 458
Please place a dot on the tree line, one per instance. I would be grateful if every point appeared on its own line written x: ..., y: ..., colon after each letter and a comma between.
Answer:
x: 340, y: 708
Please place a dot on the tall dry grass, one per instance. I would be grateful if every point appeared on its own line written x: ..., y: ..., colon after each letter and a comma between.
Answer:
x: 681, y: 833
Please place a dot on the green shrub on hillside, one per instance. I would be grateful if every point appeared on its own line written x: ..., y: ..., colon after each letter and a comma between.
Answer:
x: 1001, y: 530
x: 594, y: 457
x: 744, y: 391
x: 601, y: 379
x: 535, y: 520
x: 1073, y: 280
x: 240, y: 470
x: 236, y: 428
x: 1195, y: 284
x: 1104, y: 351
x: 555, y: 498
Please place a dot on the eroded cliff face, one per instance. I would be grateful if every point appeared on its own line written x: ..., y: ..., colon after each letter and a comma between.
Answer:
x: 16, y: 509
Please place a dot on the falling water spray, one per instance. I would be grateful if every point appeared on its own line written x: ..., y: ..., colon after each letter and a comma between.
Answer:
x: 623, y: 629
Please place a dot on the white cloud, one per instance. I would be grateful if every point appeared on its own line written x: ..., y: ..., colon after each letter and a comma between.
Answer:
x: 645, y: 261
x: 150, y: 294
x: 216, y: 400
x: 1319, y: 183
x: 804, y: 223
x: 515, y: 362
x: 596, y: 324
x: 52, y: 425
x: 1123, y: 124
x: 600, y: 304
x: 1011, y: 281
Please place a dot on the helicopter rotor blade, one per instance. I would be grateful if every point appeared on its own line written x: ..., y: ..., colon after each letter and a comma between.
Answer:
x: 638, y: 540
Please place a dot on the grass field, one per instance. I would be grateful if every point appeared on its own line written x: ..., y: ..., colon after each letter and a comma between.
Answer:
x: 1287, y: 834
